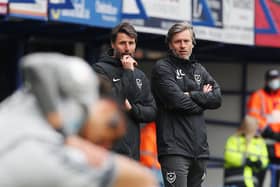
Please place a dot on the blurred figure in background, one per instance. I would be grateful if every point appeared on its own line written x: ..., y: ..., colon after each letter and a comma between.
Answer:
x: 245, y: 156
x: 130, y: 86
x: 148, y: 150
x: 48, y: 129
x: 264, y: 104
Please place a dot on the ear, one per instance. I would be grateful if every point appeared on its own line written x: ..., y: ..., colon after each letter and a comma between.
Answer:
x: 112, y: 45
x: 84, y: 131
x: 169, y: 46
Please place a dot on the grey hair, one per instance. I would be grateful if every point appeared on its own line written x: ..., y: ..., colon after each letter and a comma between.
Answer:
x: 179, y: 27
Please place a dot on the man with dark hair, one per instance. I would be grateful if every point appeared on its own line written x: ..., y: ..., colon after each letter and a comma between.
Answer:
x: 264, y: 104
x: 183, y: 90
x: 130, y: 87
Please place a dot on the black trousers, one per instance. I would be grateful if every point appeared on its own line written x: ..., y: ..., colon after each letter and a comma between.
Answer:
x: 179, y: 171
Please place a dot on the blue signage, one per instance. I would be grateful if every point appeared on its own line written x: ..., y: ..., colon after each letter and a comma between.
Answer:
x: 272, y: 28
x: 207, y: 13
x: 155, y: 16
x: 101, y: 13
x: 142, y: 12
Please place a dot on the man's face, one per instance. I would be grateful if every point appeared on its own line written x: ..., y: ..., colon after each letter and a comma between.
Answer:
x: 274, y: 84
x: 124, y: 45
x: 106, y: 124
x: 181, y: 44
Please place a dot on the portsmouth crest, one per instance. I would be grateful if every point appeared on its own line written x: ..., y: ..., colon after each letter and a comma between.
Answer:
x: 197, y: 78
x: 171, y: 177
x: 139, y: 83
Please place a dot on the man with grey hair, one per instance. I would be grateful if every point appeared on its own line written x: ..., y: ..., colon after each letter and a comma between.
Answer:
x: 48, y: 129
x: 183, y: 90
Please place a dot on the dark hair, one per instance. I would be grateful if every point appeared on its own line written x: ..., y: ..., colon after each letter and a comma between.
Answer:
x: 179, y: 27
x: 126, y: 28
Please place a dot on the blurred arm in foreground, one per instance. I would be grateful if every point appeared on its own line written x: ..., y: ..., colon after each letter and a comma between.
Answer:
x: 36, y: 151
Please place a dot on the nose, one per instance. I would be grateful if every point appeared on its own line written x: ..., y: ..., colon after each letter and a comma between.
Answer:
x: 126, y: 47
x: 182, y: 44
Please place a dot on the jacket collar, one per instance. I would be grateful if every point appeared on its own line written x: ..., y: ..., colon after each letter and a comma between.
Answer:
x: 109, y: 59
x: 269, y: 91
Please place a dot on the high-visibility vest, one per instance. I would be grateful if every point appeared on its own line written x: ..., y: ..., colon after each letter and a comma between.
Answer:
x: 148, y: 146
x: 235, y: 155
x: 266, y: 108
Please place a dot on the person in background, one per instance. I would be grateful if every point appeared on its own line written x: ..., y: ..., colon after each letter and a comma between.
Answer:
x: 39, y: 150
x: 245, y: 156
x: 264, y: 104
x: 183, y: 90
x: 130, y: 86
x: 148, y: 150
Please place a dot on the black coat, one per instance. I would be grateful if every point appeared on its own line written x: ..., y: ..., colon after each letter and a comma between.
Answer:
x: 180, y: 124
x: 134, y: 86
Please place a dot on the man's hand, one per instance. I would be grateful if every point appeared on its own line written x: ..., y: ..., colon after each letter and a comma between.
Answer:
x: 95, y: 155
x: 128, y: 62
x: 127, y: 105
x: 207, y: 88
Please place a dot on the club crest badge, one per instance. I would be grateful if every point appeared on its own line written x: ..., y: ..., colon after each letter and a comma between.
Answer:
x: 197, y: 78
x: 139, y: 83
x: 171, y: 177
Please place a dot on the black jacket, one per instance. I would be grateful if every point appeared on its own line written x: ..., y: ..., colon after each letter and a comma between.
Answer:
x: 134, y: 86
x: 181, y: 128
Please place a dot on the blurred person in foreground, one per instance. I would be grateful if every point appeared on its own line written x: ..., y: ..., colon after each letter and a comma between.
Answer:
x: 183, y: 90
x: 130, y: 86
x: 49, y: 127
x: 264, y: 104
x: 245, y: 156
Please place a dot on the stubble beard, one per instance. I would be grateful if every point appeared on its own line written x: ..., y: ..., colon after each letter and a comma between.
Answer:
x: 181, y: 57
x: 119, y: 55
